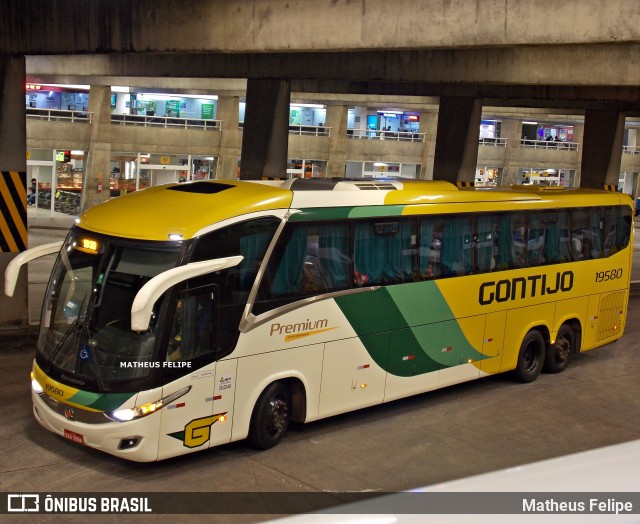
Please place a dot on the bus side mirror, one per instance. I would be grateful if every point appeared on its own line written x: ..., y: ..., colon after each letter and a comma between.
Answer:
x: 149, y: 293
x: 13, y: 269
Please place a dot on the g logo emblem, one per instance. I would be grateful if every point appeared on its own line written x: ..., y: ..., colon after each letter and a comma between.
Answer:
x: 198, y: 431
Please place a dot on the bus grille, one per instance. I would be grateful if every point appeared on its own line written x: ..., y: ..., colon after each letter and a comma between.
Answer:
x: 610, y: 315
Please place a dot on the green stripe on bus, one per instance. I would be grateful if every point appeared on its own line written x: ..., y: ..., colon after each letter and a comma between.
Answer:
x: 376, y: 211
x: 108, y: 402
x: 420, y: 334
x: 321, y: 213
x: 337, y: 213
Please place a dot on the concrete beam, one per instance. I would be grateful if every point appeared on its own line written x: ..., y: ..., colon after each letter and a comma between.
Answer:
x: 570, y: 65
x: 121, y: 26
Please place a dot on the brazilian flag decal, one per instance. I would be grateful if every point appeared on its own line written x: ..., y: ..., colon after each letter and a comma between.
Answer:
x: 423, y: 335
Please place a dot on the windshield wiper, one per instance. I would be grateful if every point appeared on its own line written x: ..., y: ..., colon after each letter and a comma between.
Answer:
x: 93, y: 357
x: 72, y: 329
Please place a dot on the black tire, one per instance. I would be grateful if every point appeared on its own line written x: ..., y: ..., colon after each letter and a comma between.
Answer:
x: 530, y: 357
x: 559, y: 355
x: 271, y: 416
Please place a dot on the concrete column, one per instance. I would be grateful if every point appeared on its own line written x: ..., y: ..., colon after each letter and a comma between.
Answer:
x: 578, y: 138
x: 602, y: 148
x: 512, y: 131
x: 13, y: 187
x: 265, y: 138
x: 98, y: 167
x: 337, y: 121
x: 456, y: 153
x: 429, y: 126
x: 231, y: 139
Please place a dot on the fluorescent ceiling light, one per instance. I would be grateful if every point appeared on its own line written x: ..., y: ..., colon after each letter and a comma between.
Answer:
x: 169, y: 96
x: 66, y: 86
x: 532, y: 123
x: 313, y: 106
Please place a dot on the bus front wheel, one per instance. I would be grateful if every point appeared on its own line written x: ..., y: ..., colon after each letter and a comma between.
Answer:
x: 559, y: 355
x: 271, y: 415
x: 531, y: 357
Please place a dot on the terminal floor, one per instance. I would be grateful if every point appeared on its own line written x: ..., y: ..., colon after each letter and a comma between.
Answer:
x: 477, y: 427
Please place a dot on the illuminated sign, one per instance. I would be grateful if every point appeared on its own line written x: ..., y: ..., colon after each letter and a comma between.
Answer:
x: 88, y: 245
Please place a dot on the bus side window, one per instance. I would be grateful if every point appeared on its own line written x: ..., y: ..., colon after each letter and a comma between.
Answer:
x: 534, y: 240
x: 310, y: 258
x: 556, y: 245
x: 384, y: 251
x: 486, y: 242
x: 430, y: 233
x: 617, y: 229
x: 193, y: 330
x: 586, y: 233
x: 510, y: 227
x: 457, y: 246
x: 249, y: 239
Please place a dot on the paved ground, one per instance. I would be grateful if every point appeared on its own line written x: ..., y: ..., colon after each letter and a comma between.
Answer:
x: 463, y: 430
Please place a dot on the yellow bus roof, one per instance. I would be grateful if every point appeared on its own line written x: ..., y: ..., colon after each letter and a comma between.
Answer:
x: 185, y: 209
x: 182, y: 209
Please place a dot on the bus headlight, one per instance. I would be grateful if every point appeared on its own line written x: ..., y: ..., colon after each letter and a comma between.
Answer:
x: 127, y: 414
x: 35, y: 385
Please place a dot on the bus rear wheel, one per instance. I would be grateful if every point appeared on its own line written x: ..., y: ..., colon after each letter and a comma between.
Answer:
x: 531, y: 357
x: 271, y: 416
x: 559, y: 355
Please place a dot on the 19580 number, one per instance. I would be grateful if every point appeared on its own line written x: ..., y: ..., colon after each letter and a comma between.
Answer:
x: 613, y: 274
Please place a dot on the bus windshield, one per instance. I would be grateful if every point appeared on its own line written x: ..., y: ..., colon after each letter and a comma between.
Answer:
x: 86, y: 336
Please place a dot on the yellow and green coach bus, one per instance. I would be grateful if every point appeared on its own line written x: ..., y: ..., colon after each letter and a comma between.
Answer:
x: 186, y: 316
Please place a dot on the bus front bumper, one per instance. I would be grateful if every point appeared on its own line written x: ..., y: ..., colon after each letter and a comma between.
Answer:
x: 134, y: 440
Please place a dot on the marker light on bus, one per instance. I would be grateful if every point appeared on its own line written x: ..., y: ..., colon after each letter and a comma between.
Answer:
x: 35, y: 385
x: 175, y: 236
x: 125, y: 415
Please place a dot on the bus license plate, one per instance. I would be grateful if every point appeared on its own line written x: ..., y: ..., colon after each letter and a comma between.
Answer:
x: 75, y: 437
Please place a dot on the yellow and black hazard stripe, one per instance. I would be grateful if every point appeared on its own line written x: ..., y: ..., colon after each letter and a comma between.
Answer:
x: 610, y: 187
x: 13, y: 211
x: 461, y: 185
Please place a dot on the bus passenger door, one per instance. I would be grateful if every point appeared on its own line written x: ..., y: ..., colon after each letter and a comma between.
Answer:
x: 189, y: 372
x: 224, y: 389
x: 187, y: 421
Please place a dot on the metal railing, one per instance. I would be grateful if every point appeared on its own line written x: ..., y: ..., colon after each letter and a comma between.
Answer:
x: 55, y: 115
x: 631, y: 150
x: 400, y: 136
x: 167, y: 122
x: 548, y: 144
x: 496, y: 142
x: 310, y: 130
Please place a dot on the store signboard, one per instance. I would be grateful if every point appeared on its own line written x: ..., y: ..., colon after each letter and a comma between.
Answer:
x: 295, y: 117
x: 173, y: 107
x: 206, y: 111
